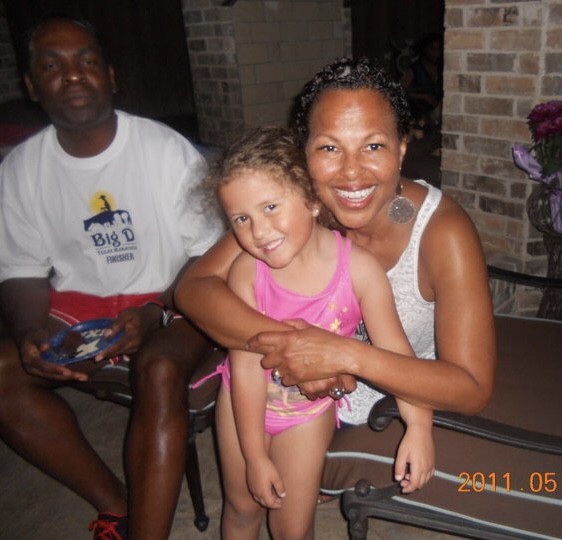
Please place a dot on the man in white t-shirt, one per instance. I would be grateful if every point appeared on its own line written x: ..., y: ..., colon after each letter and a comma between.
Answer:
x: 99, y: 212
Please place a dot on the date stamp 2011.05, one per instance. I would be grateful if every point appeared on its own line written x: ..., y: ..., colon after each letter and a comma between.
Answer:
x: 536, y: 482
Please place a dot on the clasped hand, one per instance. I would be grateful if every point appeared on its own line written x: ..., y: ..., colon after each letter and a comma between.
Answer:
x: 306, y: 356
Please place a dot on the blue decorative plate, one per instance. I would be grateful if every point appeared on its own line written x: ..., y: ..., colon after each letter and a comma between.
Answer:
x: 80, y: 342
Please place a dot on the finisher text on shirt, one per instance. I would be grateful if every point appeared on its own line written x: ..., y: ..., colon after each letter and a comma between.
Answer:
x: 119, y: 258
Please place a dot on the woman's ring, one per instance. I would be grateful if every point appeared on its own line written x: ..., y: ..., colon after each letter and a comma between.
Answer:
x: 276, y: 375
x: 336, y: 393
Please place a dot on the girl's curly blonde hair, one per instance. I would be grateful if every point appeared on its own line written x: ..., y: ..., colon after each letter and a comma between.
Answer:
x: 274, y: 149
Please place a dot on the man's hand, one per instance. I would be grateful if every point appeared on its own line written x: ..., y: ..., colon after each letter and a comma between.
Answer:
x: 32, y: 344
x: 137, y: 323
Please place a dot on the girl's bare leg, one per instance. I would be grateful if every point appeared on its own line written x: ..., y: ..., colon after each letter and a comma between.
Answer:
x: 298, y: 454
x: 241, y: 516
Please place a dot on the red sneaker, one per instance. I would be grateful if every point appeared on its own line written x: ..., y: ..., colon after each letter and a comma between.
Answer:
x: 109, y: 527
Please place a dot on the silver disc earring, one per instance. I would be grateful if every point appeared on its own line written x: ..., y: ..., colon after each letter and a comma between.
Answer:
x: 401, y: 209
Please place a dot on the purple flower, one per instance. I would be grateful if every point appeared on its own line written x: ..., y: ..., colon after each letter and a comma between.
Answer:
x: 547, y: 128
x: 545, y: 124
x: 545, y: 111
x: 543, y: 161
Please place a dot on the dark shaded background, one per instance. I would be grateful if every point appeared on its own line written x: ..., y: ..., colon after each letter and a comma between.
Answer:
x: 146, y: 43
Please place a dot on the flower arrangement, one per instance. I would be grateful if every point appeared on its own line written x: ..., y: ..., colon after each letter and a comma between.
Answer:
x: 543, y: 161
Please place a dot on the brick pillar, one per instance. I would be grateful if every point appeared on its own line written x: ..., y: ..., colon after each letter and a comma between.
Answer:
x: 250, y: 59
x: 501, y: 59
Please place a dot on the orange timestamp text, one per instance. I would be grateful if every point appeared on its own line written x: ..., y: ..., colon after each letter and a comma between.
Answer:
x: 477, y: 482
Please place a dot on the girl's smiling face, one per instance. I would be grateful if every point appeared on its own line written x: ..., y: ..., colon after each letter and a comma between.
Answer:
x: 270, y: 218
x: 354, y: 154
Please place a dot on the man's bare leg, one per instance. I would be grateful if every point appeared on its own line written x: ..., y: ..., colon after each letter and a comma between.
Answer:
x: 156, y: 444
x: 42, y: 428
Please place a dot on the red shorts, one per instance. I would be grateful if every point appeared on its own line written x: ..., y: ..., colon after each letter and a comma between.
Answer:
x: 74, y: 307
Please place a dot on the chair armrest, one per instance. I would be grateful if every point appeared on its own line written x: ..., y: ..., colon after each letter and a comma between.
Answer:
x: 522, y: 279
x: 385, y: 410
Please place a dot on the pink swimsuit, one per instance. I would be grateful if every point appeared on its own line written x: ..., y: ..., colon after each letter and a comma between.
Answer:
x: 335, y: 309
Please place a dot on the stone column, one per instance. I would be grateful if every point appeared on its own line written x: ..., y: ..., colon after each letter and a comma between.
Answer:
x: 249, y: 58
x: 501, y: 59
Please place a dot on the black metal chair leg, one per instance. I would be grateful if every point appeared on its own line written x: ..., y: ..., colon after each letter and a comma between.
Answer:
x: 357, y: 503
x: 194, y: 483
x: 357, y: 526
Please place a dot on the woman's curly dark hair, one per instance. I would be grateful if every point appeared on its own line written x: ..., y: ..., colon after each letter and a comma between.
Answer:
x: 348, y: 74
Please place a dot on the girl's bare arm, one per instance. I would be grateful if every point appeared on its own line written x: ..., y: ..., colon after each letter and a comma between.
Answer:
x: 203, y: 295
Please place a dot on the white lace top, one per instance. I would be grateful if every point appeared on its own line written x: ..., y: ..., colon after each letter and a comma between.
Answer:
x: 416, y: 314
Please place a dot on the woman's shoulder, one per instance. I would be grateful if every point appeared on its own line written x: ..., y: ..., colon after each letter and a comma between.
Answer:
x: 450, y: 218
x: 448, y: 225
x: 450, y: 236
x: 447, y: 213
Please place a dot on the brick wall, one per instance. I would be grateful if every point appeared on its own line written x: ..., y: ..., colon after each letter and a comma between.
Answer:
x: 501, y: 58
x: 250, y: 59
x: 9, y: 79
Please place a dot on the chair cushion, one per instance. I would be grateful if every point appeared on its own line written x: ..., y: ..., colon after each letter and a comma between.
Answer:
x: 111, y: 382
x: 513, y: 489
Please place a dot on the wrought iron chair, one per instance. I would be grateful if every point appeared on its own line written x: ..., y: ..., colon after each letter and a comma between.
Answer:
x: 498, y: 474
x: 112, y: 384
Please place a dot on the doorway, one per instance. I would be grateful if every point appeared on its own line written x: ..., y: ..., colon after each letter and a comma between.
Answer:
x: 388, y: 31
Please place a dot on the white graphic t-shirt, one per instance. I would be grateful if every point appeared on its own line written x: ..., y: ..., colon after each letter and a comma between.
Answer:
x: 121, y: 222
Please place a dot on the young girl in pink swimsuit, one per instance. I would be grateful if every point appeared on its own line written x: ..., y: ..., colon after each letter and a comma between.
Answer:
x: 272, y: 439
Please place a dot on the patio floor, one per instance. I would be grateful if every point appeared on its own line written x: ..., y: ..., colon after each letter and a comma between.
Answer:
x: 34, y: 507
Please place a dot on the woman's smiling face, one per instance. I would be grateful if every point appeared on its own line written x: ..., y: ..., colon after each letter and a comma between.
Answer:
x: 354, y: 154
